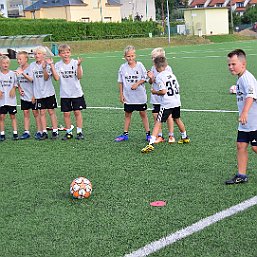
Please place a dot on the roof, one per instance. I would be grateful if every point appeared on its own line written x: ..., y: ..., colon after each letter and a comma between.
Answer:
x: 215, y: 2
x: 53, y: 3
x: 197, y: 2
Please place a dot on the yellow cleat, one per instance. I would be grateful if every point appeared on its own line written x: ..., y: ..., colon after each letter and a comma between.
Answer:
x: 149, y: 148
x: 184, y: 140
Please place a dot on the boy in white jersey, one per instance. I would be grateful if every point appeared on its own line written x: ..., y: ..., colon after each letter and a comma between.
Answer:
x: 8, y: 103
x: 168, y: 89
x: 25, y: 86
x: 69, y: 72
x: 246, y: 93
x: 131, y: 78
x: 44, y: 92
x: 155, y: 99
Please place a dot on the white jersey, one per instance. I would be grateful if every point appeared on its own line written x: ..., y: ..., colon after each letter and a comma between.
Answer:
x: 247, y: 87
x: 70, y: 86
x: 167, y: 80
x: 156, y: 99
x: 7, y: 82
x: 129, y: 76
x: 26, y: 85
x: 41, y: 88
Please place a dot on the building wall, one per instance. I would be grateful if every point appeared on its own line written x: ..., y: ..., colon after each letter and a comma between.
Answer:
x: 3, y: 7
x: 204, y: 21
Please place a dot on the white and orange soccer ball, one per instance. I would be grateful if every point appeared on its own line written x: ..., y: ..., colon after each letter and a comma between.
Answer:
x: 232, y: 89
x: 80, y: 188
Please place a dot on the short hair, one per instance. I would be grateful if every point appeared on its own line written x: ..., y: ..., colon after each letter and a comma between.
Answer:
x: 23, y: 53
x: 159, y: 51
x: 129, y: 48
x: 160, y: 62
x: 63, y: 47
x: 40, y: 49
x: 238, y: 52
x: 4, y: 58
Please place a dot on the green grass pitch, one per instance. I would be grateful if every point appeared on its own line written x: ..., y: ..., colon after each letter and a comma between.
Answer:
x: 38, y: 217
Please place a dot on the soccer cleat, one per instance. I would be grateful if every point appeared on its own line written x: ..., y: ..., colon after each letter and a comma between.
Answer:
x: 122, y: 137
x: 171, y: 140
x: 80, y: 136
x: 15, y: 137
x: 2, y: 137
x: 54, y: 135
x: 67, y: 136
x: 159, y: 139
x: 38, y: 135
x: 184, y: 140
x: 147, y: 138
x: 237, y: 179
x: 25, y: 136
x: 149, y: 148
x: 43, y: 136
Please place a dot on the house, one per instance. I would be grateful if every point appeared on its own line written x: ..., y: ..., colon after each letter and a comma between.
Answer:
x: 204, y: 21
x: 237, y: 6
x: 3, y: 8
x: 75, y: 10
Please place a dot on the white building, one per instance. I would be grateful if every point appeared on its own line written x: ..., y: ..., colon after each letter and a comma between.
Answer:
x: 145, y: 9
x: 3, y: 8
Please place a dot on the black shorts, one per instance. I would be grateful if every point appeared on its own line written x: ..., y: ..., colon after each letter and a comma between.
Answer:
x: 164, y: 114
x: 156, y: 108
x: 26, y: 105
x: 46, y: 103
x: 8, y: 109
x: 135, y: 107
x: 73, y: 104
x: 247, y: 137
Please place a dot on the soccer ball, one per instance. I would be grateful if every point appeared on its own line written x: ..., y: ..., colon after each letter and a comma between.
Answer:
x: 80, y: 188
x: 232, y: 89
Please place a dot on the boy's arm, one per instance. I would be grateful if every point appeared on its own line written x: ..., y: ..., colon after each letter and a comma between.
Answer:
x: 21, y: 72
x: 244, y: 114
x: 50, y: 62
x: 79, y: 69
x: 159, y: 92
x: 151, y: 77
x: 136, y: 85
x: 12, y: 92
x: 122, y: 99
x: 21, y: 91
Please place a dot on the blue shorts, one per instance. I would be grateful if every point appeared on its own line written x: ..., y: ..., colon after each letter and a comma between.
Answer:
x: 247, y: 137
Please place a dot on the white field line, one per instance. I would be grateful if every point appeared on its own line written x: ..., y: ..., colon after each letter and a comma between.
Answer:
x: 149, y: 109
x: 198, y: 226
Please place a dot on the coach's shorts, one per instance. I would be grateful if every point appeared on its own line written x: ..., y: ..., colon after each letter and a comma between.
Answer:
x: 26, y: 105
x: 164, y: 114
x: 156, y: 108
x: 46, y: 103
x: 247, y: 137
x: 73, y: 104
x: 8, y: 109
x: 135, y: 107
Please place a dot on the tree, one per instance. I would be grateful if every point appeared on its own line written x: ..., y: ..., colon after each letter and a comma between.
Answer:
x: 250, y: 15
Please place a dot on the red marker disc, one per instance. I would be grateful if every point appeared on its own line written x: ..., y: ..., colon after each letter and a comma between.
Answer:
x: 158, y: 203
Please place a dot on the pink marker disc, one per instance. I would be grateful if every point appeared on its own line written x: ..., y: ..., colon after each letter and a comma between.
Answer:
x: 158, y: 203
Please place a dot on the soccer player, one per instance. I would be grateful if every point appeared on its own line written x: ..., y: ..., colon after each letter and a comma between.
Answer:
x: 8, y: 103
x: 168, y: 89
x: 246, y: 93
x: 69, y: 72
x: 25, y: 86
x: 155, y: 99
x: 44, y: 92
x: 131, y: 78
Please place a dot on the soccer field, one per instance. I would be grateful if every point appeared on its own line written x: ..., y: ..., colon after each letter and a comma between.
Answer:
x: 40, y: 219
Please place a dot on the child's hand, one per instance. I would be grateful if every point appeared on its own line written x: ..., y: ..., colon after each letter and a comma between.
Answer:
x: 49, y: 61
x: 80, y: 60
x: 1, y: 94
x: 33, y: 100
x: 21, y: 91
x: 44, y: 64
x: 19, y: 71
x: 150, y: 74
x: 153, y: 91
x: 12, y: 92
x: 122, y: 99
x: 134, y: 86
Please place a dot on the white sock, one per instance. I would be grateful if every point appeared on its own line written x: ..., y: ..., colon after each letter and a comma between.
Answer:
x: 183, y: 134
x: 2, y: 133
x: 15, y: 132
x: 55, y: 130
x: 152, y: 140
x: 79, y: 130
x: 26, y: 131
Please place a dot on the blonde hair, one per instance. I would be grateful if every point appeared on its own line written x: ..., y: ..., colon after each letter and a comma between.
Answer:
x: 4, y: 58
x: 159, y: 51
x: 63, y: 47
x: 23, y: 53
x: 128, y: 49
x: 40, y: 49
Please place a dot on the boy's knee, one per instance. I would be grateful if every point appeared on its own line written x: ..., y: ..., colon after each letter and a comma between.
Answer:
x: 254, y: 148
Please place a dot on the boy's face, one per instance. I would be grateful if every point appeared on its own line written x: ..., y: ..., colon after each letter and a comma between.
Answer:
x: 39, y: 56
x: 65, y: 54
x: 236, y: 65
x: 130, y: 57
x: 5, y: 64
x: 22, y: 59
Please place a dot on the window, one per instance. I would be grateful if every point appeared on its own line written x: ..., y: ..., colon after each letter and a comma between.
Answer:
x: 240, y: 4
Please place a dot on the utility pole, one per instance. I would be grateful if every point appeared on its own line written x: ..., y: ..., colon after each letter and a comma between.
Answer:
x: 162, y: 13
x: 168, y: 20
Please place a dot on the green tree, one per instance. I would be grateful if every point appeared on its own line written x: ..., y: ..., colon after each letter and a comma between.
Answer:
x: 250, y: 15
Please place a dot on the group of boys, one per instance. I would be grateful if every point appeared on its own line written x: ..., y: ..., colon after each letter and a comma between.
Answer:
x: 37, y: 93
x: 166, y: 102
